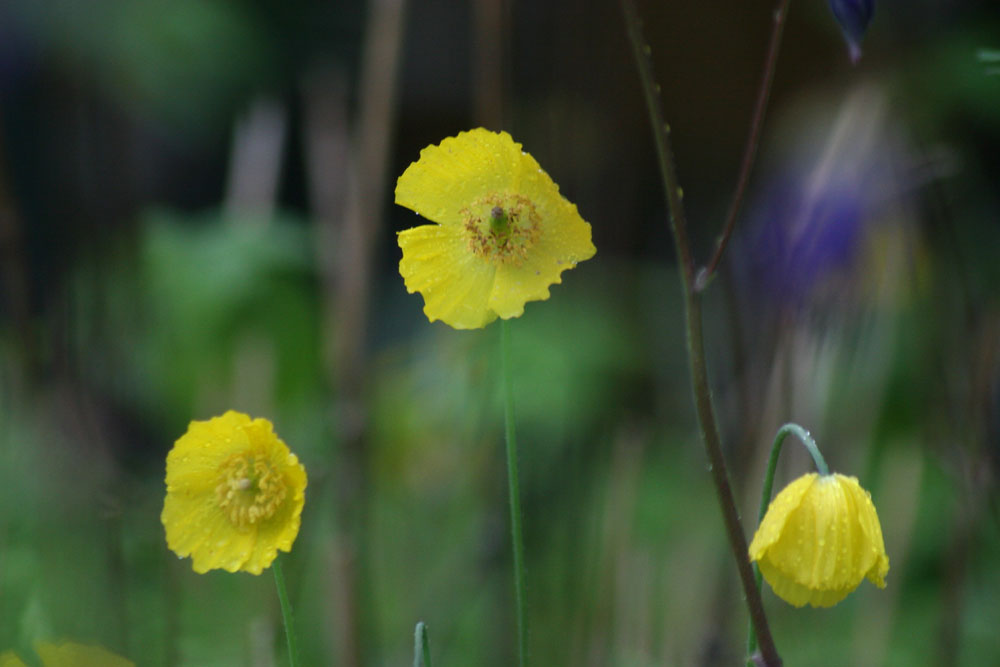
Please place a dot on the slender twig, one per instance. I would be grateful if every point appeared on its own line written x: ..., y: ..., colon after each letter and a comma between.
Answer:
x: 695, y: 342
x: 517, y: 540
x: 661, y: 134
x: 347, y: 170
x: 286, y: 613
x: 750, y: 152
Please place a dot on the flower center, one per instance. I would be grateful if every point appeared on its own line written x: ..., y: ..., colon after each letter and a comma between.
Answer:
x: 250, y: 491
x: 501, y: 228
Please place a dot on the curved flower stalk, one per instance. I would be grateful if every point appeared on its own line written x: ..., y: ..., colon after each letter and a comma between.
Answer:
x: 819, y: 539
x: 234, y: 494
x: 503, y: 233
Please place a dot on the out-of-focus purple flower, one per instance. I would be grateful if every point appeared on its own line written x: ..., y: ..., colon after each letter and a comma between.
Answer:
x: 805, y: 238
x: 807, y: 230
x: 853, y: 17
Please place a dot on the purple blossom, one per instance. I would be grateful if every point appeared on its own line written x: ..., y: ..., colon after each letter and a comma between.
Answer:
x: 802, y: 240
x: 806, y: 231
x: 853, y: 17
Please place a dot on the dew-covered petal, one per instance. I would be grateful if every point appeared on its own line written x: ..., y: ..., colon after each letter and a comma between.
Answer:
x: 454, y: 282
x: 196, y: 527
x: 196, y: 455
x: 562, y: 242
x: 873, y: 562
x: 818, y: 544
x: 225, y: 477
x: 453, y: 174
x: 777, y: 514
x: 794, y: 593
x: 279, y: 531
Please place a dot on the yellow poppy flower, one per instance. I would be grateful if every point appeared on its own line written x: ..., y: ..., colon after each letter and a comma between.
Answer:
x: 504, y: 234
x: 819, y: 539
x: 234, y: 494
x: 68, y: 654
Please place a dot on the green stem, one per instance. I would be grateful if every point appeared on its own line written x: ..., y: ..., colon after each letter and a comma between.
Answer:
x: 421, y: 646
x: 695, y: 340
x: 286, y: 614
x: 765, y: 497
x: 515, y: 494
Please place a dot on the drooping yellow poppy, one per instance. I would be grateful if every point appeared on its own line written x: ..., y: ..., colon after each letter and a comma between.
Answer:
x: 234, y: 494
x: 819, y: 538
x: 503, y: 233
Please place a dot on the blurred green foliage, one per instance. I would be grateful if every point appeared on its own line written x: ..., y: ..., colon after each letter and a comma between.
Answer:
x: 142, y: 310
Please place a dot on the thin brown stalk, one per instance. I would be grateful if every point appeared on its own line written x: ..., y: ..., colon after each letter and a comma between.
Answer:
x: 750, y: 152
x: 348, y: 165
x: 695, y: 341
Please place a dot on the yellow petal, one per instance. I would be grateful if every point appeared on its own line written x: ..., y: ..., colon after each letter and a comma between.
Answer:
x: 234, y: 494
x: 279, y: 531
x: 875, y: 566
x: 456, y: 172
x: 791, y: 591
x: 69, y: 654
x: 454, y: 282
x: 563, y: 241
x: 196, y: 527
x: 777, y: 514
x: 819, y: 539
x: 195, y: 457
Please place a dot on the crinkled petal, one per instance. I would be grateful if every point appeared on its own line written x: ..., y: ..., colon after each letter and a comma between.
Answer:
x: 454, y: 282
x: 279, y: 531
x: 563, y: 242
x: 456, y: 172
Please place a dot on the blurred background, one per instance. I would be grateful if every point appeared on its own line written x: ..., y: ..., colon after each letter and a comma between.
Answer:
x: 196, y: 214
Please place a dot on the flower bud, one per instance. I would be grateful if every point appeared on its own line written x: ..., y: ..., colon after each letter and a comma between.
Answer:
x: 853, y: 17
x: 819, y: 539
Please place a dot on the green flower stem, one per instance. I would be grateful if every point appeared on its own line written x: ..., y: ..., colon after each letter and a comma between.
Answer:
x: 515, y: 494
x: 695, y: 342
x: 421, y: 646
x: 765, y: 497
x: 286, y: 614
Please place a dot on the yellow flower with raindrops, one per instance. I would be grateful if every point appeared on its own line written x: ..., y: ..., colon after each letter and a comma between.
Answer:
x: 234, y: 494
x: 819, y: 539
x: 503, y: 233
